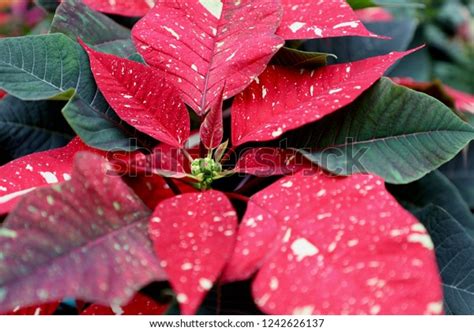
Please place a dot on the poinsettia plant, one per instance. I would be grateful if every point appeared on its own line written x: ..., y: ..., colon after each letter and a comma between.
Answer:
x: 210, y: 156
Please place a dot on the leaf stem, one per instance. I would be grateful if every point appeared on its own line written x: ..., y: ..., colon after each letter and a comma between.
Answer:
x: 172, y: 185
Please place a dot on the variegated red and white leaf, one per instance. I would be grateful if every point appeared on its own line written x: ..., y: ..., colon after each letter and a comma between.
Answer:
x: 122, y: 7
x: 303, y: 19
x: 142, y: 97
x: 85, y: 238
x: 212, y: 128
x: 23, y: 175
x: 282, y: 99
x: 353, y: 248
x: 201, y: 44
x: 194, y: 236
x: 269, y: 161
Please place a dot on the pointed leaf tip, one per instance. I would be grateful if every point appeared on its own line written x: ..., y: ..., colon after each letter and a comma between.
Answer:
x: 283, y: 99
x: 193, y: 235
x: 142, y: 97
x: 163, y: 37
x: 304, y: 19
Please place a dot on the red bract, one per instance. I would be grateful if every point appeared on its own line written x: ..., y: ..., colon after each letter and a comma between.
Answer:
x: 164, y: 160
x: 304, y: 19
x: 377, y: 14
x: 122, y: 7
x: 212, y: 128
x: 193, y: 235
x: 268, y: 161
x: 95, y: 220
x: 40, y: 169
x: 204, y: 45
x: 141, y: 97
x: 463, y: 101
x: 139, y: 305
x: 153, y: 189
x: 45, y: 309
x: 283, y: 99
x: 353, y: 249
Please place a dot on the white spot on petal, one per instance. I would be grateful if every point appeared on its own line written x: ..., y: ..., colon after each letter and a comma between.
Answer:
x: 352, y: 24
x: 173, y: 33
x: 422, y: 239
x: 303, y: 248
x: 296, y: 26
x: 49, y: 177
x: 305, y: 310
x: 205, y: 283
x: 182, y: 298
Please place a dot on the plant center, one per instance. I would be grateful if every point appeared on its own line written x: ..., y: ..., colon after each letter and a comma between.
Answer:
x: 206, y: 170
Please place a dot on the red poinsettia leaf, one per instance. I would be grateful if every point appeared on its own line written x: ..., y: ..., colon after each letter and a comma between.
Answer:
x: 463, y: 101
x: 44, y: 309
x: 269, y: 161
x: 2, y: 94
x: 201, y: 44
x: 153, y: 189
x: 374, y: 14
x: 346, y: 234
x: 139, y: 305
x: 303, y: 19
x: 141, y: 97
x: 122, y: 7
x: 282, y: 99
x: 193, y: 235
x: 212, y: 128
x: 165, y: 160
x: 35, y: 170
x: 85, y: 238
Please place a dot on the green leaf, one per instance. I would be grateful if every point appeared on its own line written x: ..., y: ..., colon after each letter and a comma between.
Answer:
x: 101, y: 129
x: 359, y: 4
x: 291, y: 57
x: 455, y: 256
x: 391, y: 131
x: 460, y: 171
x: 43, y: 66
x: 54, y: 67
x: 27, y: 127
x: 76, y: 20
x: 48, y: 5
x: 435, y: 189
x: 349, y: 49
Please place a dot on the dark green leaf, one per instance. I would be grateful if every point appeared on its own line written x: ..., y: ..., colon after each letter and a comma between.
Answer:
x: 54, y: 66
x: 391, y: 131
x: 76, y: 20
x: 435, y: 189
x: 416, y: 65
x: 455, y: 255
x: 459, y: 76
x: 300, y: 59
x: 27, y: 126
x: 102, y: 129
x: 348, y: 49
x: 461, y: 172
x: 48, y: 5
x: 359, y: 4
x: 44, y: 66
